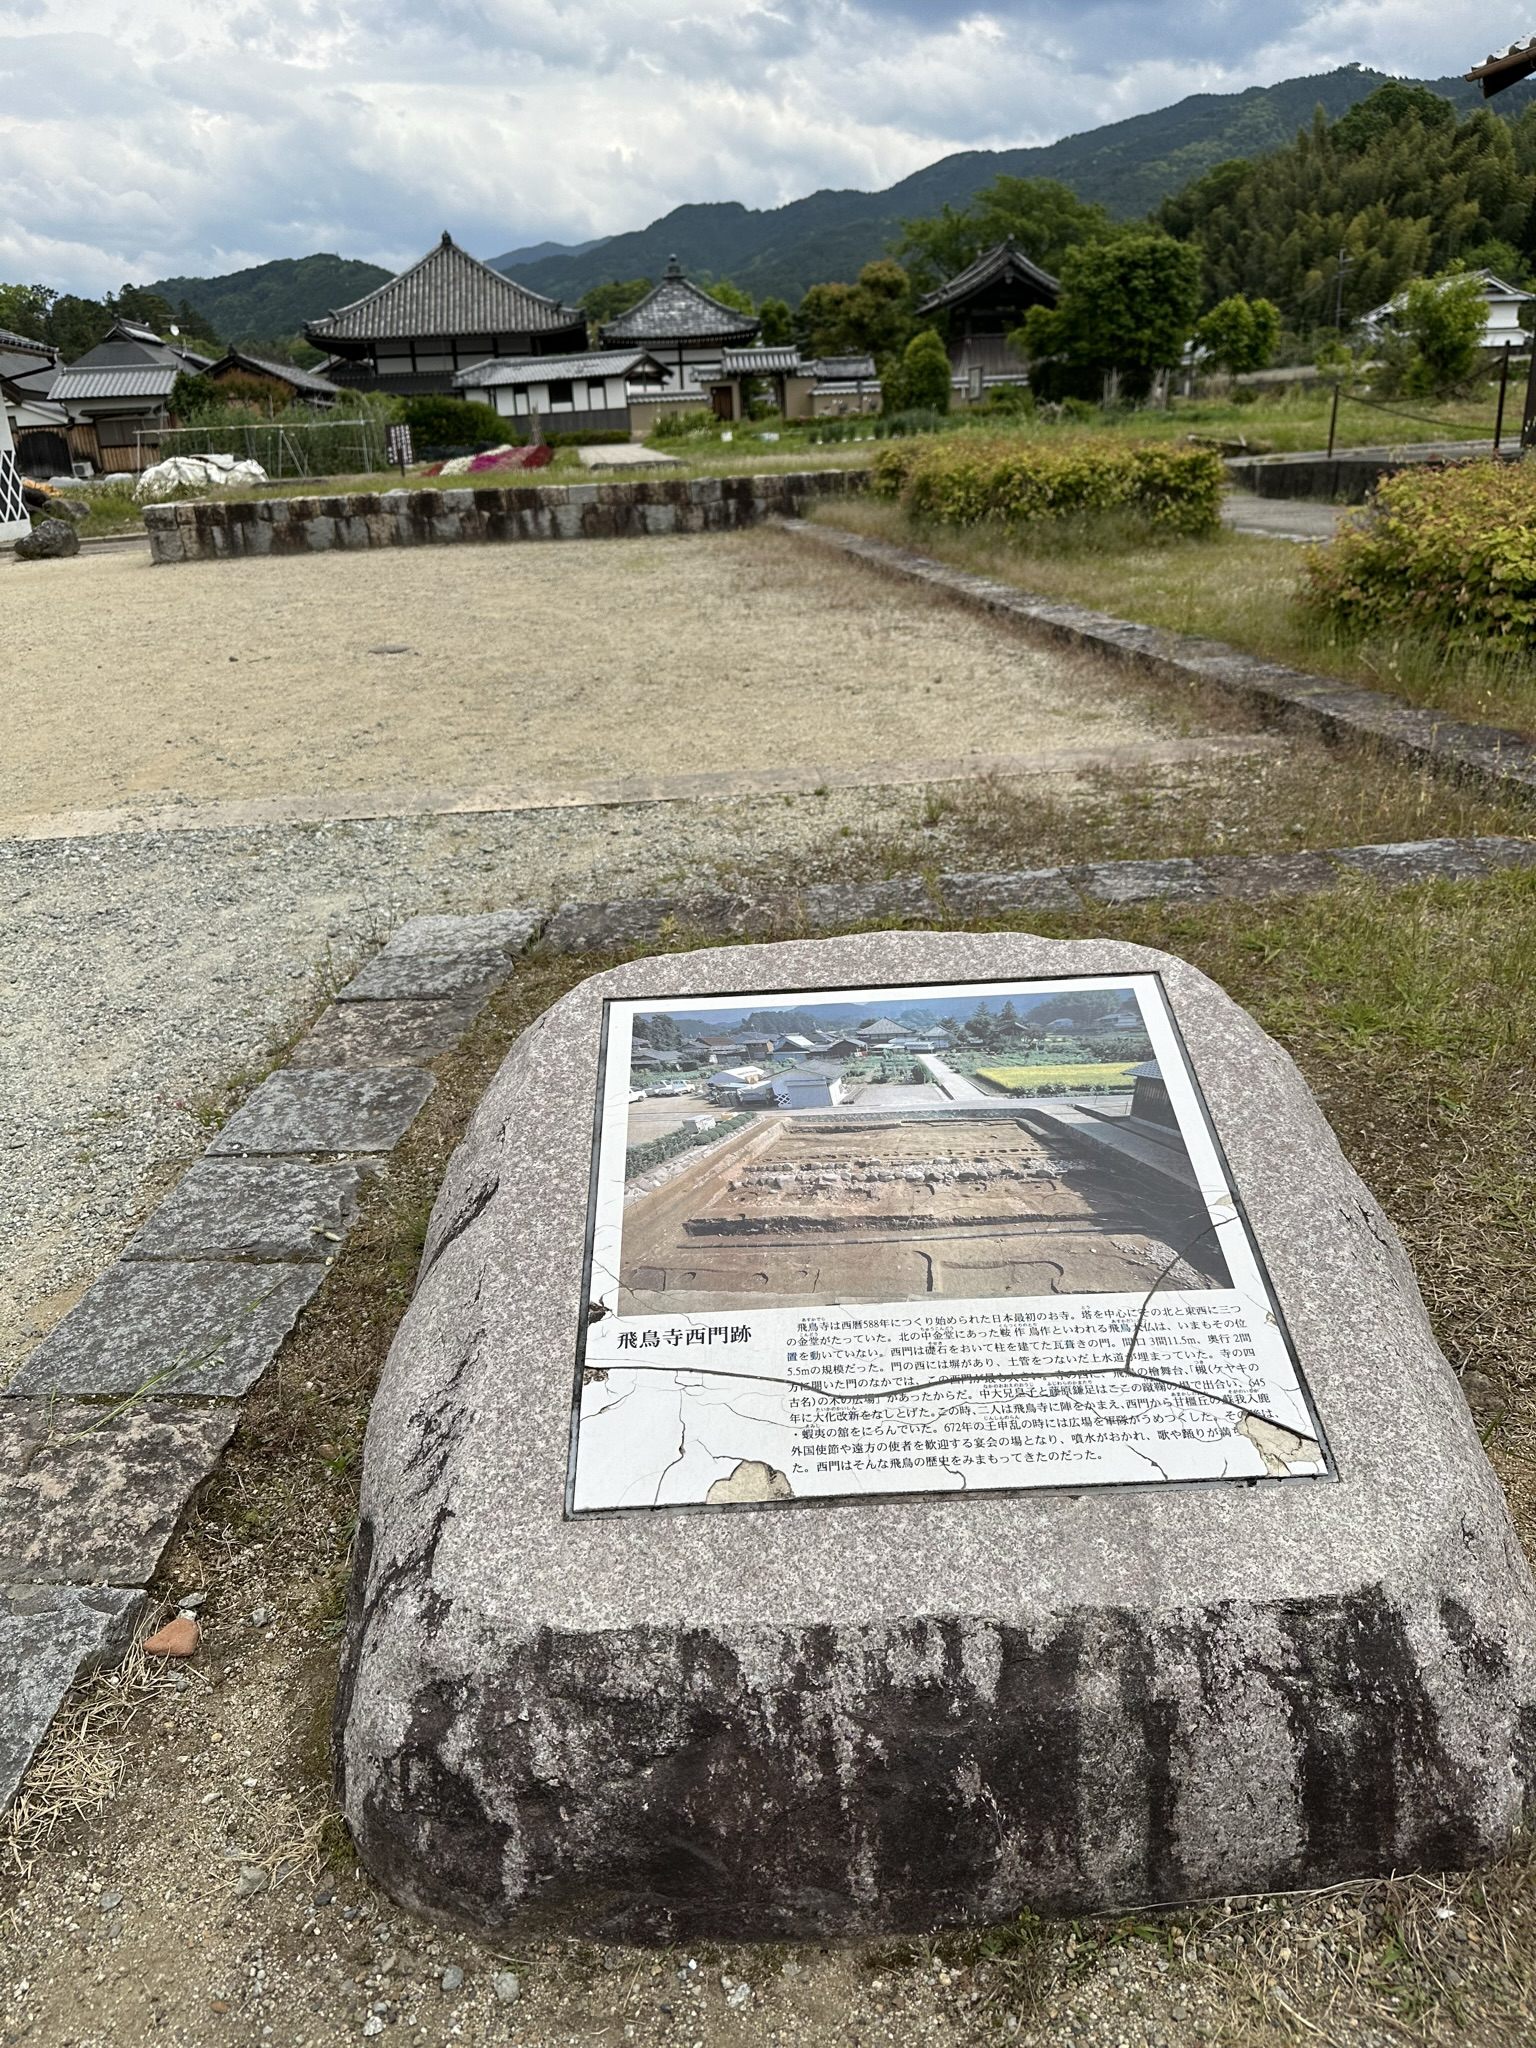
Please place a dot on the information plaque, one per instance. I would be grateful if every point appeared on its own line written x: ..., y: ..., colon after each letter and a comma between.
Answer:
x: 931, y: 1239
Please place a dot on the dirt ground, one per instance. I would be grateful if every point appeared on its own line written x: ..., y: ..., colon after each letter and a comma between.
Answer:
x: 447, y: 667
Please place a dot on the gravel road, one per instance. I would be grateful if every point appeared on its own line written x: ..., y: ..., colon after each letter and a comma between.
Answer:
x: 441, y: 667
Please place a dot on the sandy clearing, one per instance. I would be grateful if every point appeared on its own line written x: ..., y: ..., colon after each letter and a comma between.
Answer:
x: 525, y: 664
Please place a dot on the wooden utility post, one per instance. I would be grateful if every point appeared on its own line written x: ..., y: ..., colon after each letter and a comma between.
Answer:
x: 1498, y: 423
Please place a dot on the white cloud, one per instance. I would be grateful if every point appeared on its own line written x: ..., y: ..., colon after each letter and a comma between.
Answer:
x: 154, y: 140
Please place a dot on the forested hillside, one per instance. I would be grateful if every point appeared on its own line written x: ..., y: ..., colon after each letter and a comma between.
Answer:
x: 1333, y: 224
x: 272, y: 301
x: 1128, y: 167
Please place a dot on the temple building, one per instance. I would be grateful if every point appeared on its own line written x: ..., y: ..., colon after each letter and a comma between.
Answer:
x: 445, y: 314
x: 684, y: 329
x: 980, y: 308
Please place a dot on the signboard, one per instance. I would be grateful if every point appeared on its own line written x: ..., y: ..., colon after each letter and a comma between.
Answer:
x: 930, y: 1239
x: 397, y: 445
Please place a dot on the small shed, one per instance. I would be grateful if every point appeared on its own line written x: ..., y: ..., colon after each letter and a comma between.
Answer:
x: 804, y: 1088
x: 1150, y: 1099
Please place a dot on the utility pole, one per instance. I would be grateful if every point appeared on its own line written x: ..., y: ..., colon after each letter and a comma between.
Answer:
x: 1346, y: 262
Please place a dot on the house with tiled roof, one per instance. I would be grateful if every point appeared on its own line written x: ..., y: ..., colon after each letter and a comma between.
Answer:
x: 287, y: 382
x: 578, y: 394
x: 979, y: 307
x: 116, y: 396
x: 447, y: 313
x: 687, y: 331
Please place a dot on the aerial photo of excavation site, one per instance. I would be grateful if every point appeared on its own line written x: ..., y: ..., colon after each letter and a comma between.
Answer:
x: 1027, y: 1149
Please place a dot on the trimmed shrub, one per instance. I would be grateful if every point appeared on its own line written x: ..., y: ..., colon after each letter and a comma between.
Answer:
x: 439, y: 421
x: 1448, y: 552
x: 963, y: 480
x: 893, y: 466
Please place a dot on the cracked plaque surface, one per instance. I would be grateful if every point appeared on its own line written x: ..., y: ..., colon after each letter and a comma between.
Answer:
x: 887, y: 1713
x: 868, y: 1274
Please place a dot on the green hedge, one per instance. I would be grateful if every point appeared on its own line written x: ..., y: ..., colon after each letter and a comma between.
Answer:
x: 1449, y: 553
x: 965, y: 479
x: 654, y: 1151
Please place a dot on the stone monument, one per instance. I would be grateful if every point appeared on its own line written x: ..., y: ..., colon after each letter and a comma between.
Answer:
x: 966, y: 1440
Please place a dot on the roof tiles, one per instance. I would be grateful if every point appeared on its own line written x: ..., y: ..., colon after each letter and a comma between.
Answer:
x: 448, y: 292
x: 676, y: 310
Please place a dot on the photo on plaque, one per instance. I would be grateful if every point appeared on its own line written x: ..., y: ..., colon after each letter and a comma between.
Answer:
x: 918, y: 1240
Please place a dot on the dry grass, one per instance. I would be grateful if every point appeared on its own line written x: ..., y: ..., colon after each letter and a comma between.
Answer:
x: 1240, y: 588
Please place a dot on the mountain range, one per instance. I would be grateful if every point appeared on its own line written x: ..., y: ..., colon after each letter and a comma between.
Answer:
x: 1127, y: 166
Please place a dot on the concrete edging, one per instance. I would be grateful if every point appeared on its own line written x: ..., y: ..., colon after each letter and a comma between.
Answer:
x: 214, y: 529
x: 1489, y: 756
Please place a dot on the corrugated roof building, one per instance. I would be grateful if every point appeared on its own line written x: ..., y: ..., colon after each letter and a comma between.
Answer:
x: 447, y: 313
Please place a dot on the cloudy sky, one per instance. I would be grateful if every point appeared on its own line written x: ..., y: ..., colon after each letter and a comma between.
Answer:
x: 147, y: 138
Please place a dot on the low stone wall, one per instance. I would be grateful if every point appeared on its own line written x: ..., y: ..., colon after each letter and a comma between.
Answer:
x: 1349, y: 477
x: 211, y: 530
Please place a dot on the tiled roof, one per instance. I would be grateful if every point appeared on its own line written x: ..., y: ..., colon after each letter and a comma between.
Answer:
x: 842, y: 369
x: 676, y: 310
x: 148, y: 380
x: 24, y: 342
x: 619, y: 362
x: 447, y: 292
x: 1004, y: 259
x: 288, y: 373
x: 759, y: 362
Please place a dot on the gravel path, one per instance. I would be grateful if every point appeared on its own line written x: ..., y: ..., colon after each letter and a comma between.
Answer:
x: 340, y: 673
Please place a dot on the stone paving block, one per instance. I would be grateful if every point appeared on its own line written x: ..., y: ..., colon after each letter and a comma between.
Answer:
x: 49, y: 1636
x: 386, y: 1034
x: 189, y: 1329
x: 91, y: 1496
x: 397, y: 977
x: 487, y: 935
x: 264, y: 1209
x: 326, y: 1109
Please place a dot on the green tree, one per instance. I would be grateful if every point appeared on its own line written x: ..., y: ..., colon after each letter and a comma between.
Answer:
x: 146, y: 308
x: 195, y: 326
x: 1044, y: 218
x: 76, y: 325
x: 1332, y: 226
x: 1437, y: 332
x: 778, y: 329
x: 1126, y: 310
x: 920, y: 381
x: 1240, y: 334
x: 727, y: 293
x: 605, y: 302
x: 871, y: 317
x: 24, y: 309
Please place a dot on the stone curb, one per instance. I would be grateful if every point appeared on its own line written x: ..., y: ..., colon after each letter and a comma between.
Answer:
x: 125, y: 1408
x: 932, y: 901
x: 1489, y: 756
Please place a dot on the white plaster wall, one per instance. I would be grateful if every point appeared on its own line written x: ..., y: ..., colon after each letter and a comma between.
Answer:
x: 13, y: 515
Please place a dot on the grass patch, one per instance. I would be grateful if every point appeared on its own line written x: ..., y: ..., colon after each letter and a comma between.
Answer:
x: 1024, y: 1080
x: 1240, y: 588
